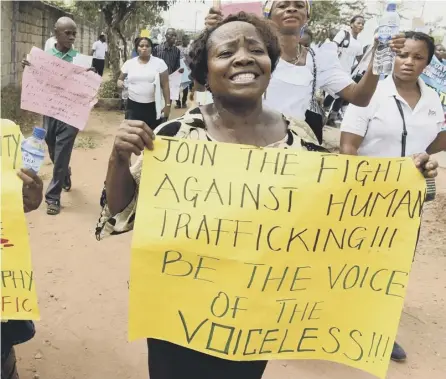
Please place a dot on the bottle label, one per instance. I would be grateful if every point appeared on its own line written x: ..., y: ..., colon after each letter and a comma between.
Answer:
x: 31, y: 161
x: 386, y: 32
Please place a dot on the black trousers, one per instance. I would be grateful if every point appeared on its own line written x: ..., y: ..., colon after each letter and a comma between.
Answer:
x: 170, y: 361
x: 337, y: 103
x: 182, y: 100
x: 60, y: 139
x: 99, y: 64
x: 9, y: 366
x: 143, y: 112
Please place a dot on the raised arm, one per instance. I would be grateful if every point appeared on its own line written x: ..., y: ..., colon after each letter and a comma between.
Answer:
x: 438, y: 145
x: 361, y: 93
x: 164, y: 79
x: 353, y: 128
x: 121, y: 79
x: 132, y: 137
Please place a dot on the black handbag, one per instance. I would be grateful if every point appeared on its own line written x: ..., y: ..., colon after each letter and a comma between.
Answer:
x: 315, y: 115
x: 430, y: 182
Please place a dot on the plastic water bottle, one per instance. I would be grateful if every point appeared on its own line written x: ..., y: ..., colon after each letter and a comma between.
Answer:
x: 33, y: 150
x: 389, y: 25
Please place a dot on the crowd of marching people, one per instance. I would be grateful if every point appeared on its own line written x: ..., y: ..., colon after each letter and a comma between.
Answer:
x: 264, y: 78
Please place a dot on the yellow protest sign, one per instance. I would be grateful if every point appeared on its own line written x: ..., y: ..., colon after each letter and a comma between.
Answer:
x: 260, y: 254
x: 19, y: 298
x: 145, y: 33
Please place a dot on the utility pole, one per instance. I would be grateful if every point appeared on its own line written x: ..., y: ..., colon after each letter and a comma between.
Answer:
x: 422, y: 8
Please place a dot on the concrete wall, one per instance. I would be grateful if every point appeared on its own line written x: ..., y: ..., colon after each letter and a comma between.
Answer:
x: 25, y: 24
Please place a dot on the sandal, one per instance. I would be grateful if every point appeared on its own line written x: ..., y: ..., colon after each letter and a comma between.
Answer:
x: 53, y: 209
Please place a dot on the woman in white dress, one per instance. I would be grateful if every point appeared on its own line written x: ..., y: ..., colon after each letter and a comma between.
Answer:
x: 291, y: 88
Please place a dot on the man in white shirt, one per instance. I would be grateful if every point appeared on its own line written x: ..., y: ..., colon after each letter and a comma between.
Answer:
x: 99, y: 51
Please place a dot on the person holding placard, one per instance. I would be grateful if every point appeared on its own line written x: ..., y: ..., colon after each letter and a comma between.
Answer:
x: 235, y: 61
x: 141, y: 73
x: 405, y: 116
x: 60, y: 136
x: 15, y: 332
x: 302, y: 72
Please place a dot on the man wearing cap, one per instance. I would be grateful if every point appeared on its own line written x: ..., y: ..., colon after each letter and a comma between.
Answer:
x: 99, y: 51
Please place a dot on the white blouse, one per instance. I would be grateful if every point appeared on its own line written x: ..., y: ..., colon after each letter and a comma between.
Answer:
x: 290, y: 88
x: 381, y: 125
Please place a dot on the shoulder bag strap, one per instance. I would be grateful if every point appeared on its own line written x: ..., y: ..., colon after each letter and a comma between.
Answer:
x: 404, y: 134
x: 313, y: 91
x: 430, y: 183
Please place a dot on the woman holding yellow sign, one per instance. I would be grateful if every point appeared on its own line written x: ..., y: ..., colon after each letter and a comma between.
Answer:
x: 301, y: 72
x: 15, y: 332
x: 234, y: 60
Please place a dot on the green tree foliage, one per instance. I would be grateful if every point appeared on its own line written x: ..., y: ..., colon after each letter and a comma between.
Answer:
x: 120, y: 19
x: 330, y: 15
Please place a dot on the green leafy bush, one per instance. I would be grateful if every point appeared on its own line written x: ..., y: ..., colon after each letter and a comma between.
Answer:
x: 108, y: 90
x: 10, y: 109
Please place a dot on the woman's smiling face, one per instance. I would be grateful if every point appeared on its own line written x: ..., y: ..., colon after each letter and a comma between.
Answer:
x: 289, y: 16
x: 239, y: 67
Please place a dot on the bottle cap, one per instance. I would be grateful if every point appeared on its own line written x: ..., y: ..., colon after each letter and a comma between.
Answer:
x: 391, y: 7
x: 39, y: 133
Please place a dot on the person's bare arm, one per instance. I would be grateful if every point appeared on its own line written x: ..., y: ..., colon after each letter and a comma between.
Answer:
x: 132, y: 137
x: 121, y: 79
x: 119, y: 184
x: 438, y: 145
x: 361, y: 93
x: 350, y: 143
x: 164, y: 79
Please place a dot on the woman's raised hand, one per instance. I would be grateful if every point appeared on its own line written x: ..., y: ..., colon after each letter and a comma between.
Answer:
x: 396, y: 43
x: 213, y: 18
x: 132, y: 137
x: 426, y: 164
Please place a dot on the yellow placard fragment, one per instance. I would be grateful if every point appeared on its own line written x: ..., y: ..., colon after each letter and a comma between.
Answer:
x: 259, y: 254
x: 18, y: 291
x: 145, y: 33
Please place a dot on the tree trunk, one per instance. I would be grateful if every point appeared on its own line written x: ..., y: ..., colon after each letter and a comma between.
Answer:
x: 113, y: 52
x: 124, y: 43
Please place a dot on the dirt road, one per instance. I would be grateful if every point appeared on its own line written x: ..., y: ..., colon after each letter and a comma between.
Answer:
x: 82, y: 288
